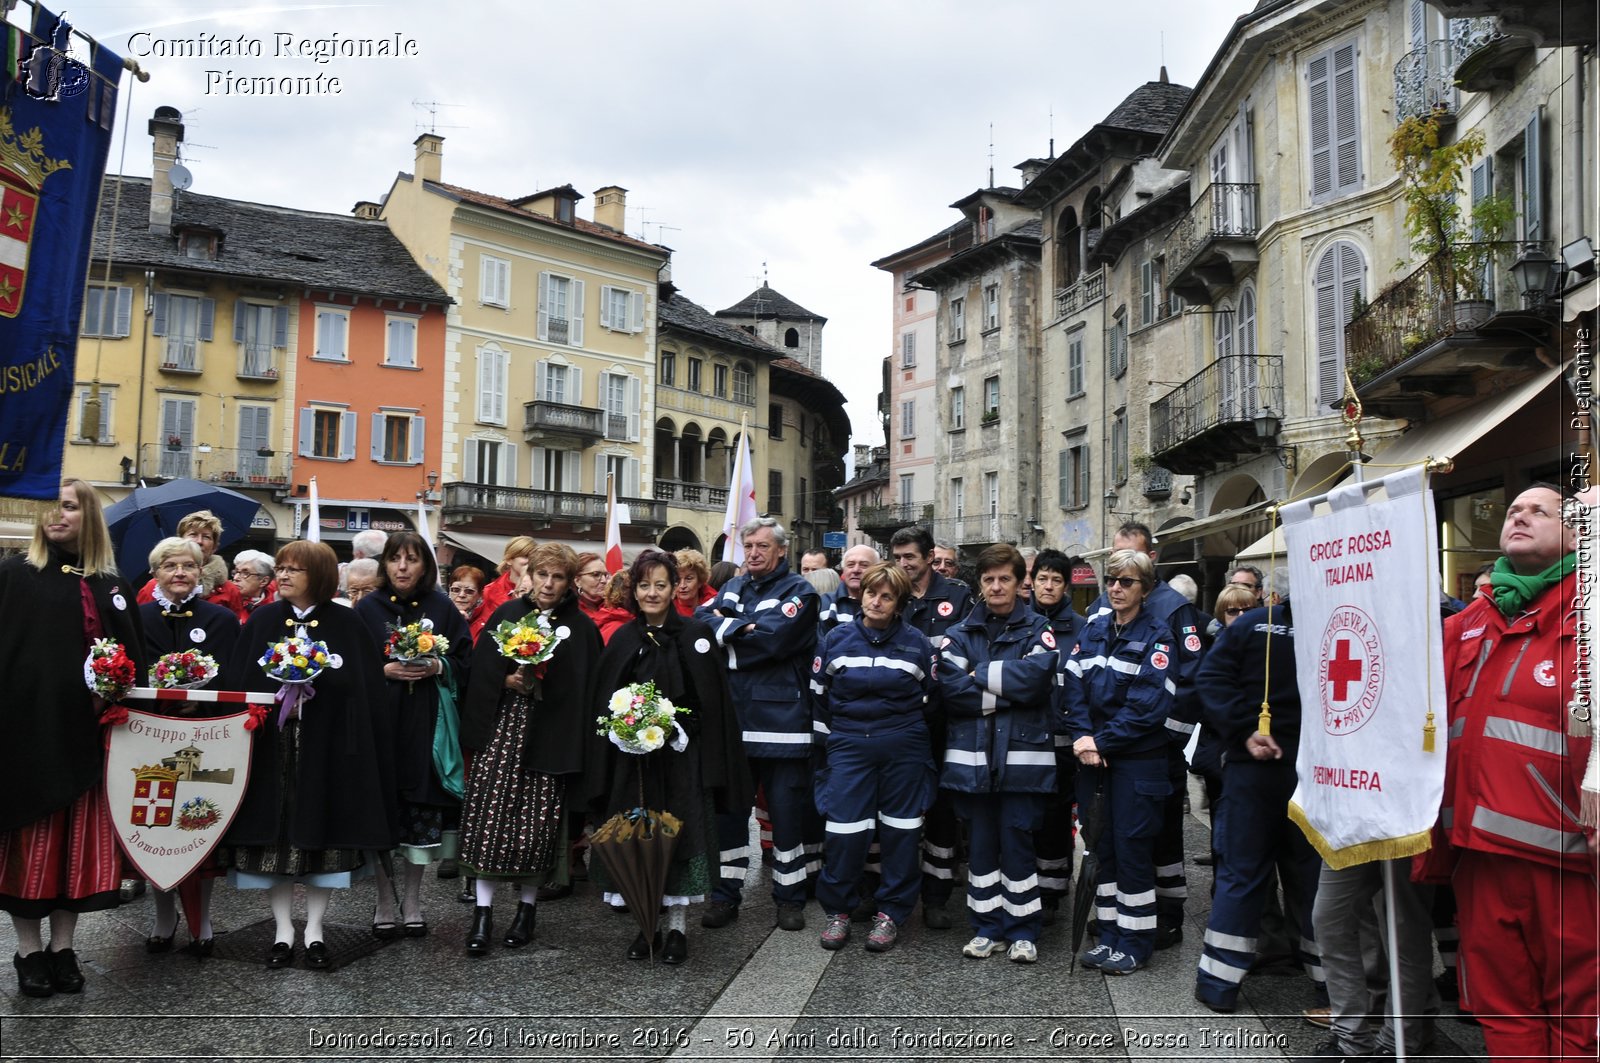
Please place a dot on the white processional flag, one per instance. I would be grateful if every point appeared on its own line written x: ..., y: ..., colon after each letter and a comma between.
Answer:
x: 1364, y: 575
x: 313, y: 532
x: 741, y: 502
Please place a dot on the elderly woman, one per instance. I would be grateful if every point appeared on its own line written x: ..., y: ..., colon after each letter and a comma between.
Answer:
x: 707, y: 775
x: 419, y: 692
x: 872, y: 691
x: 694, y: 582
x: 58, y: 848
x: 466, y: 591
x: 179, y: 620
x: 361, y: 577
x: 203, y: 528
x: 593, y: 584
x: 996, y: 675
x: 1118, y: 691
x: 252, y: 574
x: 513, y: 566
x: 321, y: 781
x: 526, y: 733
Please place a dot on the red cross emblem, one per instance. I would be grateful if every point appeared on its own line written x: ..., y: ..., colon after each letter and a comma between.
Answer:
x: 945, y: 608
x: 1350, y: 683
x: 152, y: 802
x: 1048, y: 637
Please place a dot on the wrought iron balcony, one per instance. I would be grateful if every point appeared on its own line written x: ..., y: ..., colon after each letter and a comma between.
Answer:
x: 464, y: 500
x: 1213, y: 247
x: 891, y: 517
x: 265, y: 469
x: 1210, y: 419
x: 179, y: 355
x: 1089, y: 289
x: 547, y: 423
x: 1548, y: 23
x: 258, y: 361
x: 980, y: 529
x: 691, y: 495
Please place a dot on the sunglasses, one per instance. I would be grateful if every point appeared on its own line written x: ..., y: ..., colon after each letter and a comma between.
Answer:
x: 1125, y: 582
x: 1234, y: 611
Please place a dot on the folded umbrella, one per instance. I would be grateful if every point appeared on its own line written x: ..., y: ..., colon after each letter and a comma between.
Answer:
x: 635, y: 848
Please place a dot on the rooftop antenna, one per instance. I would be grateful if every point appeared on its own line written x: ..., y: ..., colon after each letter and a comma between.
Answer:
x: 1052, y: 127
x: 991, y: 154
x: 645, y: 223
x: 432, y: 107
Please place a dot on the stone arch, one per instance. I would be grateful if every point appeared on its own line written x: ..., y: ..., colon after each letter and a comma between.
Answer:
x: 791, y: 337
x: 677, y: 538
x: 1069, y: 248
x: 666, y: 449
x: 691, y: 455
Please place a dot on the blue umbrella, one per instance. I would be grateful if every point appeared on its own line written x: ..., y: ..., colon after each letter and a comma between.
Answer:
x: 150, y: 514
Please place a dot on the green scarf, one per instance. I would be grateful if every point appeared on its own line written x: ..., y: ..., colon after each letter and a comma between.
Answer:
x: 1512, y: 592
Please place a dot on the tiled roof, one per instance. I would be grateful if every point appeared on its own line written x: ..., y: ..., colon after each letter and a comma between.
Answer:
x: 767, y: 302
x: 484, y: 199
x: 940, y: 237
x: 337, y: 252
x: 1150, y: 108
x: 679, y: 312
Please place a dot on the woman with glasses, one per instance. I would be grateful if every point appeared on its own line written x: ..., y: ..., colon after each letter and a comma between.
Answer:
x: 321, y: 787
x: 593, y: 584
x: 421, y: 700
x: 252, y: 574
x: 179, y: 620
x: 1233, y: 601
x: 361, y: 578
x: 1118, y: 690
x: 58, y: 848
x: 466, y: 591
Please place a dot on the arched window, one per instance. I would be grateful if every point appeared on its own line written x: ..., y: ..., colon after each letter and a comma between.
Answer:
x: 1245, y: 345
x: 1338, y: 277
x: 1227, y: 365
x: 1069, y: 249
x: 791, y: 338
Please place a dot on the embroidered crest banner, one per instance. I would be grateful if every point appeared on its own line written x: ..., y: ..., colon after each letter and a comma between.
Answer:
x: 1364, y: 575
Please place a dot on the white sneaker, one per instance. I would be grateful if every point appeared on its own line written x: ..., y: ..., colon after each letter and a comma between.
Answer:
x: 981, y: 947
x: 1023, y: 952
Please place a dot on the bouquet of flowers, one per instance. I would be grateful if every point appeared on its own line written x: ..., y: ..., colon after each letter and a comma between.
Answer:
x: 198, y: 813
x: 294, y: 663
x: 642, y: 720
x: 109, y: 673
x: 410, y: 642
x: 183, y: 671
x: 529, y: 641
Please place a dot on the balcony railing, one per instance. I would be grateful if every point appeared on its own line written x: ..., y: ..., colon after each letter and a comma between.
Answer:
x: 542, y: 419
x: 1425, y: 81
x: 258, y: 361
x: 1208, y: 418
x: 557, y: 329
x: 692, y: 495
x: 617, y: 426
x: 895, y: 515
x: 1085, y: 292
x: 980, y: 528
x: 181, y: 356
x: 1213, y: 245
x: 464, y: 499
x: 227, y: 466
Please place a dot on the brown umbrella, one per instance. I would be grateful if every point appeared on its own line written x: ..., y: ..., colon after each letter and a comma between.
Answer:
x: 636, y: 848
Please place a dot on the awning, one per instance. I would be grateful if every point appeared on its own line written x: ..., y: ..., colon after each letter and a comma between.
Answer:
x: 1217, y: 522
x: 1449, y: 436
x: 493, y: 547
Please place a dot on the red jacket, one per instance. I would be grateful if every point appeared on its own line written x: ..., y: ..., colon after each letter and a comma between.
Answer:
x: 606, y: 617
x: 496, y: 593
x: 1512, y: 772
x: 708, y: 594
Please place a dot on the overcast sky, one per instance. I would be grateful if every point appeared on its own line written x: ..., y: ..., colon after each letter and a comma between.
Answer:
x: 805, y: 138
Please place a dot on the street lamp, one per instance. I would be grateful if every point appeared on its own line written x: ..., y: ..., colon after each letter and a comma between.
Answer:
x: 1536, y: 273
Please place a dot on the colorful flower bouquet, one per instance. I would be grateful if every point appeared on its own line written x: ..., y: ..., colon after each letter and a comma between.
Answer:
x: 198, y: 813
x: 642, y: 720
x: 294, y: 663
x: 410, y: 642
x: 109, y: 673
x: 528, y: 641
x: 183, y: 671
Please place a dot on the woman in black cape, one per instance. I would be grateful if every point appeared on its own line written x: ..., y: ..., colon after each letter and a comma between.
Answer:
x: 709, y: 774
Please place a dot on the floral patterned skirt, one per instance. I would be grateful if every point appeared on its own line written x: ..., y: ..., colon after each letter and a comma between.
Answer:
x: 511, y: 822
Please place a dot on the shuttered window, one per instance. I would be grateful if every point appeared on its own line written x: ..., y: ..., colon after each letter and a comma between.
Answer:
x: 491, y: 384
x: 1337, y: 279
x: 1335, y: 123
x: 107, y: 311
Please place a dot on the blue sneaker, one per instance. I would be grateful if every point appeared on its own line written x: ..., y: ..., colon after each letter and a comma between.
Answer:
x: 1093, y: 958
x: 1119, y: 963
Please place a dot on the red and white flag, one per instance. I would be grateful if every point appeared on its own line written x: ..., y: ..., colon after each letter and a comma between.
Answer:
x: 741, y: 502
x: 614, y: 522
x: 314, y: 521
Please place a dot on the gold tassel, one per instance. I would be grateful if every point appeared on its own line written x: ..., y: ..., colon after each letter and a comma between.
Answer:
x: 1264, y: 723
x: 1427, y: 734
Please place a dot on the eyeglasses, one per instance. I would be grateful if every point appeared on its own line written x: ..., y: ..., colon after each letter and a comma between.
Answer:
x: 287, y: 570
x: 179, y: 566
x: 1125, y: 581
x: 1235, y: 611
x: 240, y: 573
x: 601, y: 574
x: 468, y: 591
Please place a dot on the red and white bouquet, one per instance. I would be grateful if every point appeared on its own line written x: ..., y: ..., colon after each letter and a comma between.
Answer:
x: 109, y: 671
x: 184, y: 670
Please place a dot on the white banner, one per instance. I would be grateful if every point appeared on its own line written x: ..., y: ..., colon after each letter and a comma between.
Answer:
x: 173, y: 785
x: 1364, y: 577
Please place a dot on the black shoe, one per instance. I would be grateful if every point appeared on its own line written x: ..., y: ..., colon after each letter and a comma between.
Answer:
x: 1222, y: 1009
x: 469, y: 891
x: 676, y: 948
x: 482, y: 928
x: 1168, y: 936
x: 554, y: 893
x: 280, y: 955
x: 33, y: 974
x: 791, y: 917
x: 201, y: 947
x: 643, y: 949
x: 317, y: 956
x: 416, y: 928
x: 1330, y: 1049
x: 448, y: 868
x: 719, y: 914
x: 936, y: 917
x: 64, y: 973
x: 520, y: 932
x: 156, y: 943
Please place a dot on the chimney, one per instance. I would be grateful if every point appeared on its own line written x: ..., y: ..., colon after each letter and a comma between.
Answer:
x: 610, y: 207
x: 430, y: 157
x: 166, y: 129
x: 863, y: 457
x: 367, y: 210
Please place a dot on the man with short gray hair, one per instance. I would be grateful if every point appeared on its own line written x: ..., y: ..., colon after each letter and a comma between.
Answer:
x: 368, y: 543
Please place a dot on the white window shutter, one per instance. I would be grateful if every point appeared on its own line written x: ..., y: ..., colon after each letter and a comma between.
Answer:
x: 636, y: 312
x: 575, y: 315
x: 377, y: 437
x: 605, y: 309
x: 1319, y: 88
x: 240, y: 309
x: 600, y: 474
x: 419, y: 437
x: 630, y: 475
x: 508, y: 464
x: 1329, y: 340
x: 575, y: 385
x: 635, y: 403
x: 307, y: 429
x: 1346, y: 120
x: 536, y: 477
x: 470, y: 460
x: 541, y: 380
x: 208, y: 317
x: 544, y: 307
x: 573, y: 471
x: 347, y: 436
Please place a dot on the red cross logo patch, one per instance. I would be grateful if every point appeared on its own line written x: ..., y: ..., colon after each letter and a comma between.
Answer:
x: 816, y: 664
x: 945, y: 608
x: 1192, y: 643
x: 152, y: 802
x: 1048, y: 637
x: 1158, y: 660
x: 1350, y: 672
x: 791, y: 610
x: 1544, y: 673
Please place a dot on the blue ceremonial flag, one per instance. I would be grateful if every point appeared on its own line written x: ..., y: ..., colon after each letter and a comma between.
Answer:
x: 55, y: 132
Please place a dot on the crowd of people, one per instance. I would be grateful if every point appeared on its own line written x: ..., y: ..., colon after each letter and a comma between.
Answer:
x: 889, y: 720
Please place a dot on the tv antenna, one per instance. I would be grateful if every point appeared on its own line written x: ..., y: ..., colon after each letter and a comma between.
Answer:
x: 432, y: 108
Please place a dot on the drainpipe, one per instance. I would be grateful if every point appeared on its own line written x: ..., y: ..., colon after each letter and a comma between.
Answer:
x: 144, y: 356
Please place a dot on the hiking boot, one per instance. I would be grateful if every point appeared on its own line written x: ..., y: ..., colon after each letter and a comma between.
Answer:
x: 837, y: 932
x: 980, y: 947
x: 1168, y: 936
x: 883, y: 935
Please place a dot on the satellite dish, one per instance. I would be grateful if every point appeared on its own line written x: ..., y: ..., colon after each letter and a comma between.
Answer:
x: 181, y: 177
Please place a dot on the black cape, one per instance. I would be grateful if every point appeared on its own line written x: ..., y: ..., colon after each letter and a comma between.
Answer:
x: 413, y: 708
x: 556, y: 731
x: 174, y: 632
x: 344, y: 788
x: 46, y: 711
